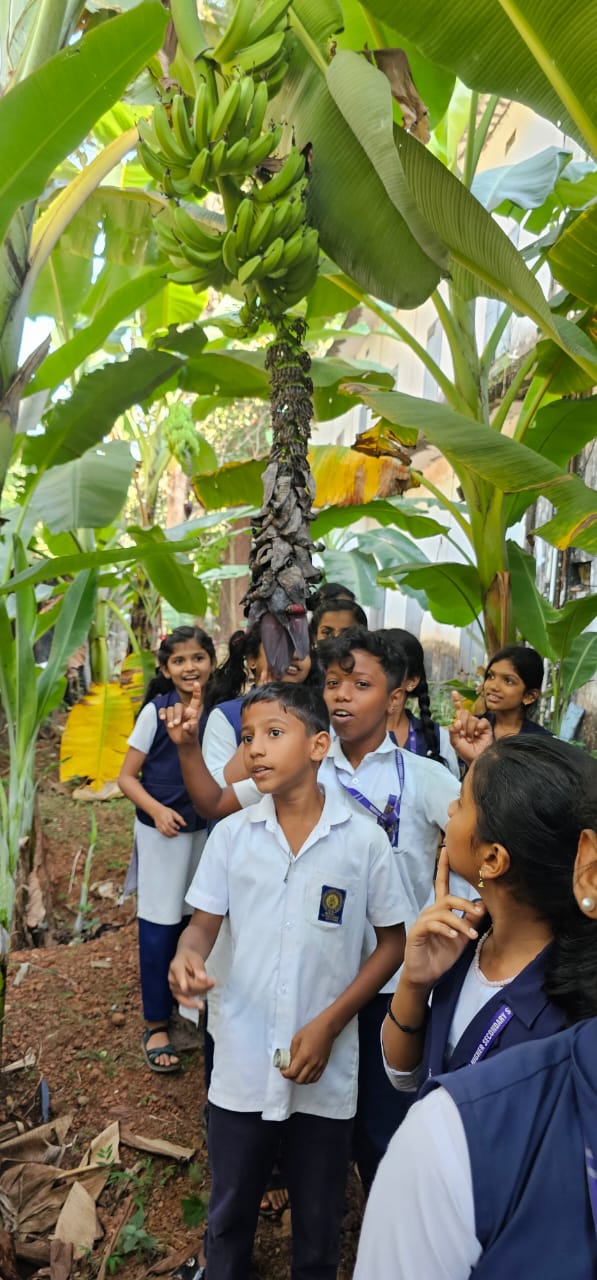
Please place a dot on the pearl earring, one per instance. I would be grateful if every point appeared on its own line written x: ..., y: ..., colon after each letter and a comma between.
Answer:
x: 588, y: 904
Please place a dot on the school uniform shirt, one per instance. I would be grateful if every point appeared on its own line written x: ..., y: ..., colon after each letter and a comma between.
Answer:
x: 487, y: 1175
x: 221, y: 738
x: 297, y: 926
x: 472, y: 1019
x: 162, y: 867
x: 428, y: 790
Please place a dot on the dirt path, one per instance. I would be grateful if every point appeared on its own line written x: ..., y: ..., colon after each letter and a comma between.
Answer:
x: 78, y: 1009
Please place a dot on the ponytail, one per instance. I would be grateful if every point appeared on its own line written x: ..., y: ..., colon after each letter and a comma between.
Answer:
x: 428, y: 725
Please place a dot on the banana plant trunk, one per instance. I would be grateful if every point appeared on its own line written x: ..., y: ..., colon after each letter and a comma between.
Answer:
x: 282, y: 570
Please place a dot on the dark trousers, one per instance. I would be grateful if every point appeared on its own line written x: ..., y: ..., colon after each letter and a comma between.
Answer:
x: 157, y: 947
x: 314, y: 1153
x: 380, y: 1107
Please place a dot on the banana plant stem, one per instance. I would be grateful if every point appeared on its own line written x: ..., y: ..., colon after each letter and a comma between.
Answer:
x: 457, y: 515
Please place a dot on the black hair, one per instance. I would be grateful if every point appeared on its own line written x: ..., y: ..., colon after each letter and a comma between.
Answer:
x: 412, y: 650
x: 338, y: 605
x: 530, y: 796
x: 161, y: 684
x: 527, y: 663
x: 300, y: 700
x: 327, y: 592
x: 341, y: 649
x: 230, y: 678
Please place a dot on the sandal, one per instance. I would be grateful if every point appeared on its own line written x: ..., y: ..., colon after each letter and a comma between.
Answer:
x: 272, y: 1212
x: 190, y: 1270
x: 151, y: 1055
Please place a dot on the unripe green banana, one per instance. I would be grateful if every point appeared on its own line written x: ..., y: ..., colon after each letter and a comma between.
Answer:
x: 272, y: 256
x: 182, y: 129
x: 165, y: 136
x: 275, y: 77
x: 201, y: 116
x: 289, y: 215
x: 267, y: 20
x: 151, y: 161
x: 260, y: 236
x: 236, y: 158
x: 200, y: 168
x: 248, y: 269
x: 243, y: 225
x: 200, y: 258
x: 238, y: 125
x: 229, y: 253
x: 257, y: 57
x: 217, y: 158
x: 292, y: 171
x: 225, y: 110
x: 235, y: 34
x: 263, y: 147
x: 166, y: 237
x: 294, y: 248
x: 182, y: 185
x: 257, y: 113
x: 192, y: 232
x: 191, y: 275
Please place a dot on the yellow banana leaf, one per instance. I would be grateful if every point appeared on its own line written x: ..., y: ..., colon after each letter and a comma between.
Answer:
x: 345, y: 478
x: 94, y: 741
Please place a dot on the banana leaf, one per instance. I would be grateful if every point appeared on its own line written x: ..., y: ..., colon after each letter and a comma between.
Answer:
x: 94, y: 742
x: 48, y: 115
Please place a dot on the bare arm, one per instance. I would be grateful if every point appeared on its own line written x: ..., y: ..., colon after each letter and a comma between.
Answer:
x: 182, y: 725
x: 187, y: 977
x: 236, y: 769
x: 167, y: 821
x: 311, y: 1046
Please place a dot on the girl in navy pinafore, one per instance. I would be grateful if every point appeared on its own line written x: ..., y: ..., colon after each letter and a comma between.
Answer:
x: 473, y: 986
x: 494, y: 1172
x: 169, y: 833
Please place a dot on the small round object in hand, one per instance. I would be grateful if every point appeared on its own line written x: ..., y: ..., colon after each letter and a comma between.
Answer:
x: 281, y: 1058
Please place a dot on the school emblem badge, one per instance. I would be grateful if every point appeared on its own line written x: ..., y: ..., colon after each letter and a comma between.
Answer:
x: 331, y: 904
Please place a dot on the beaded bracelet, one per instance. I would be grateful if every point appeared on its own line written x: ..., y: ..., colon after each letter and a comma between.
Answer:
x: 409, y: 1031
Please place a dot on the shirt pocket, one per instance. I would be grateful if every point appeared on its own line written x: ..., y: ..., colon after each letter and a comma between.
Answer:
x: 331, y: 901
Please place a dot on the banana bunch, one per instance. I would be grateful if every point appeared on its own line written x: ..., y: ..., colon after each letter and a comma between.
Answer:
x: 221, y: 139
x: 195, y: 252
x: 270, y: 247
x: 256, y: 42
x: 180, y: 434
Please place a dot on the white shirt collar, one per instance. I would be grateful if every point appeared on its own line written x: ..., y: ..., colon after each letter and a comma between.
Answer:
x: 336, y: 810
x: 336, y: 753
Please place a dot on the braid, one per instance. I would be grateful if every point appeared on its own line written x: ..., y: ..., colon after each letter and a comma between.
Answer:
x: 427, y: 723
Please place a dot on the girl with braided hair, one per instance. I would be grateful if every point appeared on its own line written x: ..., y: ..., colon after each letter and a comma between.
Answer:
x: 419, y: 734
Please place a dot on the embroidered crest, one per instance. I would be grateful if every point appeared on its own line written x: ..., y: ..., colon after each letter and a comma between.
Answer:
x: 331, y: 904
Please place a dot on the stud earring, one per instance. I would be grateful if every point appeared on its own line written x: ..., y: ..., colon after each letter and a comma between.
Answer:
x: 588, y: 905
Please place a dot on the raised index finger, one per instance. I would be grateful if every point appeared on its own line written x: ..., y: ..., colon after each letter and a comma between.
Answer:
x: 442, y: 877
x: 457, y: 703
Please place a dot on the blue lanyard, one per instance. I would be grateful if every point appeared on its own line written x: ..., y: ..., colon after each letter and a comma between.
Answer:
x: 591, y: 1170
x: 388, y: 818
x: 495, y: 1028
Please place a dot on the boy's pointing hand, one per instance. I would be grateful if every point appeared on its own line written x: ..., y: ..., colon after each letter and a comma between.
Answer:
x: 309, y: 1052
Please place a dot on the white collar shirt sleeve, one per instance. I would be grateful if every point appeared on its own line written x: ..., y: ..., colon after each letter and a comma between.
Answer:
x: 296, y: 926
x: 420, y: 1217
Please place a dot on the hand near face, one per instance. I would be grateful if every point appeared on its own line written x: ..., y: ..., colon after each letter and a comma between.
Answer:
x: 438, y: 936
x: 469, y: 735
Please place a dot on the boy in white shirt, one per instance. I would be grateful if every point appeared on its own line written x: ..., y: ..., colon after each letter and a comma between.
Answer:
x: 299, y: 874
